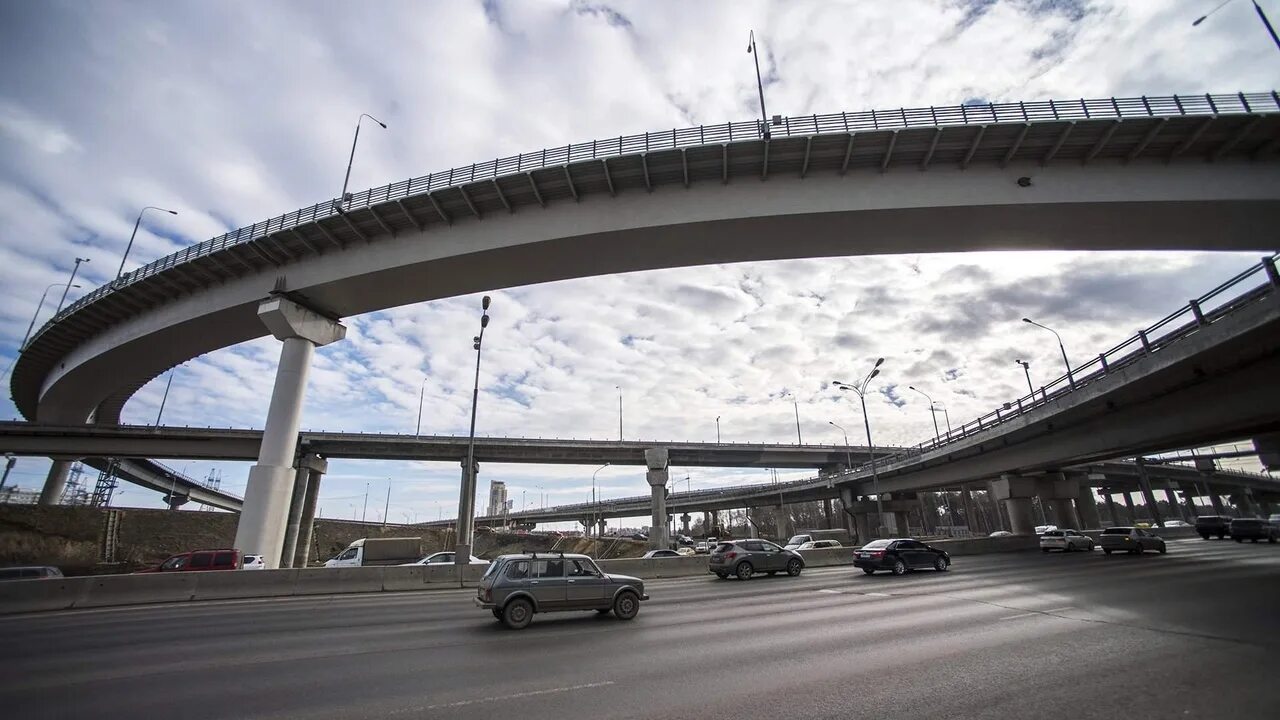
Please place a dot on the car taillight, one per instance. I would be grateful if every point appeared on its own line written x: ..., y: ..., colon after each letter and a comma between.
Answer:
x: 486, y: 595
x: 877, y: 553
x: 730, y: 556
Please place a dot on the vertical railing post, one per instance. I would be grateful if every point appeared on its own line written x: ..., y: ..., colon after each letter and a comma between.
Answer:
x: 1195, y: 310
x: 1146, y: 345
x: 1269, y: 264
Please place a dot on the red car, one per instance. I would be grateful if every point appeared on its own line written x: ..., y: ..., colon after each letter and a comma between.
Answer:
x: 199, y: 561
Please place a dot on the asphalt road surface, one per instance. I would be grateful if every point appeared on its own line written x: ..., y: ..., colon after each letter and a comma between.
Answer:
x: 1193, y: 633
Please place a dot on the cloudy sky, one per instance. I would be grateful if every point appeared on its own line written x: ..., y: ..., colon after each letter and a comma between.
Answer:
x: 232, y: 112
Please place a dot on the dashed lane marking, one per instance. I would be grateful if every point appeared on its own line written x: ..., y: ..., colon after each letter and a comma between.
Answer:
x: 498, y: 698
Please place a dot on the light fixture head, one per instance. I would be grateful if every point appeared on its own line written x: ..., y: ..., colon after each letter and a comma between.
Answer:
x: 1026, y: 320
x: 484, y: 321
x: 879, y: 362
x: 484, y: 302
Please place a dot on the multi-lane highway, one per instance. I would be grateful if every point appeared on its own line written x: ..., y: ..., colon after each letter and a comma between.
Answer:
x: 1192, y: 633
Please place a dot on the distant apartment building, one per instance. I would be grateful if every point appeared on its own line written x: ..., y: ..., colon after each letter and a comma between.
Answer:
x: 497, y: 498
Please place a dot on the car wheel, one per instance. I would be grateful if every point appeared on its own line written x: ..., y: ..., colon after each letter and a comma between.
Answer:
x: 497, y: 614
x: 899, y: 567
x: 722, y: 576
x: 1091, y: 546
x: 626, y: 605
x: 1106, y: 551
x: 940, y: 564
x: 794, y: 567
x: 1254, y: 540
x: 517, y: 614
x: 744, y: 571
x: 1044, y: 550
x: 1163, y: 548
x: 1221, y: 535
x: 1272, y: 539
x: 771, y: 573
x: 869, y: 571
x: 603, y: 611
x: 1239, y: 540
x: 1204, y: 535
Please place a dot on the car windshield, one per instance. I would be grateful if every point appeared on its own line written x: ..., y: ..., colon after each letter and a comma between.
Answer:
x: 1117, y: 531
x: 1054, y: 533
x: 722, y: 547
x: 798, y: 540
x: 877, y: 545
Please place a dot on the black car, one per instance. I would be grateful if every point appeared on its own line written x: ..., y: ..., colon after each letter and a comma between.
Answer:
x: 898, y: 555
x: 1218, y: 525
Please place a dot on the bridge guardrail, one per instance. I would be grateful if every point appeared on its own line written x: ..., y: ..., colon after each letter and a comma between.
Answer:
x: 1207, y: 105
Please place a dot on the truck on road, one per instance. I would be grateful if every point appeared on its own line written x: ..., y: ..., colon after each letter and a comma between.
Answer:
x: 378, y: 551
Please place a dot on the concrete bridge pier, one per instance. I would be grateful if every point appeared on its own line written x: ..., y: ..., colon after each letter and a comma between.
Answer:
x: 1215, y: 501
x: 1087, y: 507
x: 1189, y: 501
x: 826, y: 512
x: 1148, y: 495
x: 302, y: 510
x: 1243, y: 503
x: 263, y: 519
x: 658, y: 476
x: 782, y: 521
x: 1128, y: 502
x: 684, y: 523
x: 600, y: 528
x: 1058, y: 493
x: 1016, y: 492
x: 56, y: 481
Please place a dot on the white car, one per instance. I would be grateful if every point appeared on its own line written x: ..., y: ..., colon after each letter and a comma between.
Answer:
x: 817, y: 545
x: 443, y: 558
x: 254, y: 562
x: 701, y: 547
x: 1042, y: 529
x: 1065, y: 540
x: 1177, y: 523
x: 659, y: 554
x: 1001, y: 533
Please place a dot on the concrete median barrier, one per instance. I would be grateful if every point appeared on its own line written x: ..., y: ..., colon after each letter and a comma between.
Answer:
x: 252, y: 584
x: 112, y: 590
x: 336, y: 581
x: 19, y: 596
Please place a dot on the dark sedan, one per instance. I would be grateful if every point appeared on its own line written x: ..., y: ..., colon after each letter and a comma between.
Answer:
x: 899, y: 555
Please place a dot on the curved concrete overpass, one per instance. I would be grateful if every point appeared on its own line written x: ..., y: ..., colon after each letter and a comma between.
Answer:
x: 1149, y: 173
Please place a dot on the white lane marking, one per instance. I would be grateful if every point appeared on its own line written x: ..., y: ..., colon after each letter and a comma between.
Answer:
x: 878, y: 594
x: 1020, y: 615
x: 1065, y: 607
x: 833, y: 592
x: 496, y: 698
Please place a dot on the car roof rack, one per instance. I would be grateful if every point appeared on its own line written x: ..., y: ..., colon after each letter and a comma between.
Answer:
x: 534, y: 554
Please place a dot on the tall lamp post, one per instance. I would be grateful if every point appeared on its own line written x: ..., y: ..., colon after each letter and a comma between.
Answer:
x: 1070, y: 379
x: 165, y: 397
x: 466, y: 503
x: 1257, y: 8
x: 136, y: 223
x: 69, y: 285
x: 619, y: 389
x: 340, y: 205
x: 848, y: 455
x: 595, y: 502
x: 795, y: 403
x: 932, y: 413
x: 861, y: 390
x: 1026, y: 370
x: 764, y: 116
x: 417, y: 430
x: 946, y: 416
x: 717, y: 429
x: 36, y: 314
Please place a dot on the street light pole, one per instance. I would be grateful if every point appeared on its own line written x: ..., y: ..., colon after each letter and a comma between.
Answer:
x: 861, y: 390
x: 717, y: 429
x: 417, y: 430
x: 595, y: 502
x: 339, y: 206
x: 764, y: 116
x: 136, y: 223
x: 466, y: 503
x: 619, y: 389
x: 932, y: 413
x: 36, y: 314
x: 1070, y: 379
x: 1257, y: 8
x: 1026, y: 369
x: 69, y: 285
x: 165, y: 397
x: 796, y: 404
x: 848, y: 456
x: 945, y: 415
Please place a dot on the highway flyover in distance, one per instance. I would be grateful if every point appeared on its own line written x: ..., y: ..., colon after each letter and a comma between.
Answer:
x: 1192, y: 633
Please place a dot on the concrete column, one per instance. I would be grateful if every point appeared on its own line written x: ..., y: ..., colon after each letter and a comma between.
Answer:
x: 684, y: 523
x: 1128, y: 501
x: 1189, y: 501
x: 600, y: 528
x: 1111, y: 506
x: 1016, y: 493
x: 297, y: 500
x: 782, y: 521
x: 866, y: 527
x: 1087, y: 508
x: 658, y: 475
x: 266, y: 498
x: 826, y: 511
x: 902, y: 520
x: 966, y: 502
x: 1171, y: 497
x: 56, y: 481
x: 926, y: 522
x: 1215, y: 501
x: 708, y: 522
x: 1148, y: 496
x: 306, y: 524
x: 753, y: 530
x: 1243, y: 503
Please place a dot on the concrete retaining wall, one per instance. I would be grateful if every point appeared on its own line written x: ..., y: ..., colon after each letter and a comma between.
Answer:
x: 118, y: 590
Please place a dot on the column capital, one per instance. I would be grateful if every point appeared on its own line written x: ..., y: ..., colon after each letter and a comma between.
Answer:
x: 287, y: 319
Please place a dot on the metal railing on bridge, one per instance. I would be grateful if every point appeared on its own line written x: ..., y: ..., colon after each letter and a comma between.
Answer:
x: 833, y: 123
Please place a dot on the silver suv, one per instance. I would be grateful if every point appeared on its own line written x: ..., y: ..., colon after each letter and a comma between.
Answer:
x: 745, y: 558
x: 517, y: 586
